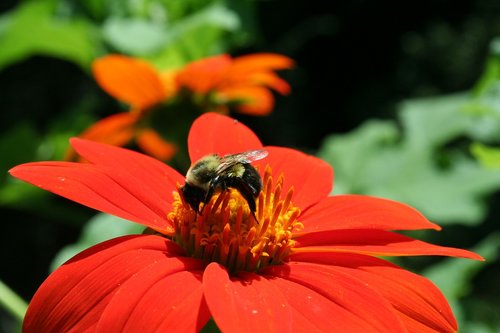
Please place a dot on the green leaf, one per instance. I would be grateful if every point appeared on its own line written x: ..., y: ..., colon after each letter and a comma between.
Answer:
x: 459, y: 284
x: 491, y: 74
x: 454, y: 276
x: 98, y: 229
x: 197, y: 36
x: 33, y: 28
x: 210, y: 327
x: 172, y: 45
x: 431, y: 122
x: 489, y: 157
x: 413, y: 166
x: 137, y: 36
x: 13, y: 303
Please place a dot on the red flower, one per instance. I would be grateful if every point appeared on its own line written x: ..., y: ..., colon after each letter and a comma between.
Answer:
x: 308, y: 264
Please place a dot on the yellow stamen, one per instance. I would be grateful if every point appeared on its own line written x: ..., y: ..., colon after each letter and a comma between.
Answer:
x: 227, y: 232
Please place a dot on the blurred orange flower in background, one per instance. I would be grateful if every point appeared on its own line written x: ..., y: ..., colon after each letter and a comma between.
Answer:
x: 243, y: 81
x: 215, y: 84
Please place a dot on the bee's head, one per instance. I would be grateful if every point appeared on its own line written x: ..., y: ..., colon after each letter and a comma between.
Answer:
x: 193, y: 195
x: 203, y: 171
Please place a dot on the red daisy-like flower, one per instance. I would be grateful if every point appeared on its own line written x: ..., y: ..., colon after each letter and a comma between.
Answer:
x: 307, y: 262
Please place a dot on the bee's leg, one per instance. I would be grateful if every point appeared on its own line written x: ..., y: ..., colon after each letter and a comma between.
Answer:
x: 208, y: 196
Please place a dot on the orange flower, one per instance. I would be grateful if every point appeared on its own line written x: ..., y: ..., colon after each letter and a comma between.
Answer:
x: 243, y: 81
x: 131, y: 80
x: 137, y: 83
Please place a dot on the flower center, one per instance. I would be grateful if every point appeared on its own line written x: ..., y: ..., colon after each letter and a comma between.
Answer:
x: 227, y: 232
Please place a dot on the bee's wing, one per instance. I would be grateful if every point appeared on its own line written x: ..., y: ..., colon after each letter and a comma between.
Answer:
x: 246, y: 157
x: 252, y: 155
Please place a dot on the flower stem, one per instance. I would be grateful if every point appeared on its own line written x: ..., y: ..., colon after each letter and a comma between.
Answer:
x: 13, y: 303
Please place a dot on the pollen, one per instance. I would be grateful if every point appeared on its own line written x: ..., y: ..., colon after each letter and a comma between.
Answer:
x: 226, y: 231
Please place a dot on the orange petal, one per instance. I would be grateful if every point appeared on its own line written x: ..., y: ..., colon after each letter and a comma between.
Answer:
x: 263, y: 78
x: 271, y: 80
x: 130, y: 80
x: 257, y: 101
x: 260, y: 62
x: 116, y: 130
x: 153, y: 144
x: 203, y: 75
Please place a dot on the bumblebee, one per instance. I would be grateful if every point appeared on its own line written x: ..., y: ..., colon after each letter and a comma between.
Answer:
x: 214, y: 173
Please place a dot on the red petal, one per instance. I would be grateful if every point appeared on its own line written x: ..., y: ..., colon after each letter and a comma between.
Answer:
x: 116, y: 130
x: 74, y: 296
x: 213, y: 133
x: 374, y: 242
x: 313, y: 312
x: 311, y: 177
x: 157, y: 175
x: 129, y: 80
x: 163, y: 297
x: 420, y: 304
x: 370, y: 312
x: 362, y: 212
x: 249, y: 303
x: 111, y: 190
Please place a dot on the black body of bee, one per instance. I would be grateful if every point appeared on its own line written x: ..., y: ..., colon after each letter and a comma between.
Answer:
x: 215, y: 173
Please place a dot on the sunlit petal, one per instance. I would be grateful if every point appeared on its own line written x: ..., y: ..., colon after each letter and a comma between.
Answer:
x: 313, y: 312
x: 423, y: 309
x: 170, y: 288
x: 102, y: 187
x: 374, y: 242
x: 362, y: 212
x: 311, y: 177
x: 153, y: 176
x: 373, y: 312
x: 253, y: 302
x: 75, y: 295
x: 213, y: 133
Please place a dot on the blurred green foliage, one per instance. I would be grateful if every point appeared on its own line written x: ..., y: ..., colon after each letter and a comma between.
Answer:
x: 418, y: 164
x: 168, y: 33
x: 434, y: 150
